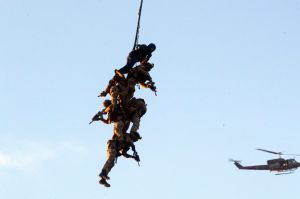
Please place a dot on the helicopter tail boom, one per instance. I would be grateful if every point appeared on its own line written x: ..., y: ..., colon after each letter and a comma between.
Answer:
x: 256, y: 167
x: 237, y: 163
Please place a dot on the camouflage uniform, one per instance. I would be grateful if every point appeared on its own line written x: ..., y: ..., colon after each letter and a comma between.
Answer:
x: 141, y: 72
x: 116, y: 87
x: 115, y: 148
x: 112, y: 151
x: 124, y: 108
x: 118, y: 118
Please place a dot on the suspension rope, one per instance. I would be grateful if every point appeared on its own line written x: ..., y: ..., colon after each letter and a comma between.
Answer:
x: 136, y: 40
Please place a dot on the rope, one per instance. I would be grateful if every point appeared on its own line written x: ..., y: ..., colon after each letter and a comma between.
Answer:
x: 138, y: 27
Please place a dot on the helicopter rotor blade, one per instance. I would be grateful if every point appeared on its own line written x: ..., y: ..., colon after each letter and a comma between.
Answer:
x: 277, y: 153
x: 291, y: 154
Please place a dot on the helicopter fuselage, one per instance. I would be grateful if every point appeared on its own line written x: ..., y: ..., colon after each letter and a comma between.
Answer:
x: 279, y: 165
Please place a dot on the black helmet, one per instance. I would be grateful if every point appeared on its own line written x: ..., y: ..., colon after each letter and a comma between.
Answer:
x: 152, y: 47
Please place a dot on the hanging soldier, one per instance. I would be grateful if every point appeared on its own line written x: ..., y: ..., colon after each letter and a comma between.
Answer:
x: 120, y: 143
x: 141, y: 53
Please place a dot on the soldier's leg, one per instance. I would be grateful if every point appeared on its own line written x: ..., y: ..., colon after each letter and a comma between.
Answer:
x: 110, y: 162
x: 135, y: 123
x: 119, y: 129
x: 135, y: 136
x: 130, y: 63
x: 141, y: 109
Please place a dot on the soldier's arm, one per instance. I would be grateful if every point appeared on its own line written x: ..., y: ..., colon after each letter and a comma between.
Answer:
x: 106, y: 121
x: 107, y: 111
x: 145, y: 74
x: 110, y: 84
x: 107, y: 89
x: 149, y: 84
x: 143, y: 84
x: 148, y: 57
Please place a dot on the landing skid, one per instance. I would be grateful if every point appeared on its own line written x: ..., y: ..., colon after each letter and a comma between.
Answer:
x: 284, y: 173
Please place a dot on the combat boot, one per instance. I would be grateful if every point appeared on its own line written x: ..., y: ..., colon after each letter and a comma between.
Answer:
x: 104, y: 175
x: 103, y: 182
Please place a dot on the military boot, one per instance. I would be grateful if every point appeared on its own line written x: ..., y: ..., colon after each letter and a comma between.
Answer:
x: 103, y: 182
x: 104, y: 175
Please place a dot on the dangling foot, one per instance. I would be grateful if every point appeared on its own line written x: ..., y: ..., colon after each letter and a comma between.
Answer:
x: 104, y: 175
x: 103, y: 182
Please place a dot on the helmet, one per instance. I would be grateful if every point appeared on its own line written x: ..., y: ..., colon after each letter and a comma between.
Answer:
x: 106, y: 103
x: 152, y: 47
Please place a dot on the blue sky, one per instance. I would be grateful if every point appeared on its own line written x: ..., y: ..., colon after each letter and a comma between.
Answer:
x: 227, y: 74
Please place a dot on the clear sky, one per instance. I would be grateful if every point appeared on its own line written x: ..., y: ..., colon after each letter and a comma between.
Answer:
x: 228, y: 82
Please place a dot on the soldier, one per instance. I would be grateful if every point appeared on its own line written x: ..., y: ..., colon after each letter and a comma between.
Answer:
x: 116, y: 116
x: 123, y: 88
x: 141, y: 53
x: 119, y: 89
x: 116, y: 148
x: 120, y: 143
x: 117, y: 86
x: 142, y: 76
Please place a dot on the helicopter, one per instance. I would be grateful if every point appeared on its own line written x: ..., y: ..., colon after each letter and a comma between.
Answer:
x: 279, y: 165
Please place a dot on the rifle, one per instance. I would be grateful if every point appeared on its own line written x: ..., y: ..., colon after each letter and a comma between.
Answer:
x: 97, y: 117
x: 135, y: 154
x: 102, y: 94
x: 152, y: 87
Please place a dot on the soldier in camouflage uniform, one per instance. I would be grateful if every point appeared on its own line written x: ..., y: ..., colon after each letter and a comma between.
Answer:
x: 117, y: 88
x: 142, y: 76
x: 117, y: 116
x: 116, y: 148
x: 118, y: 145
x: 122, y: 109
